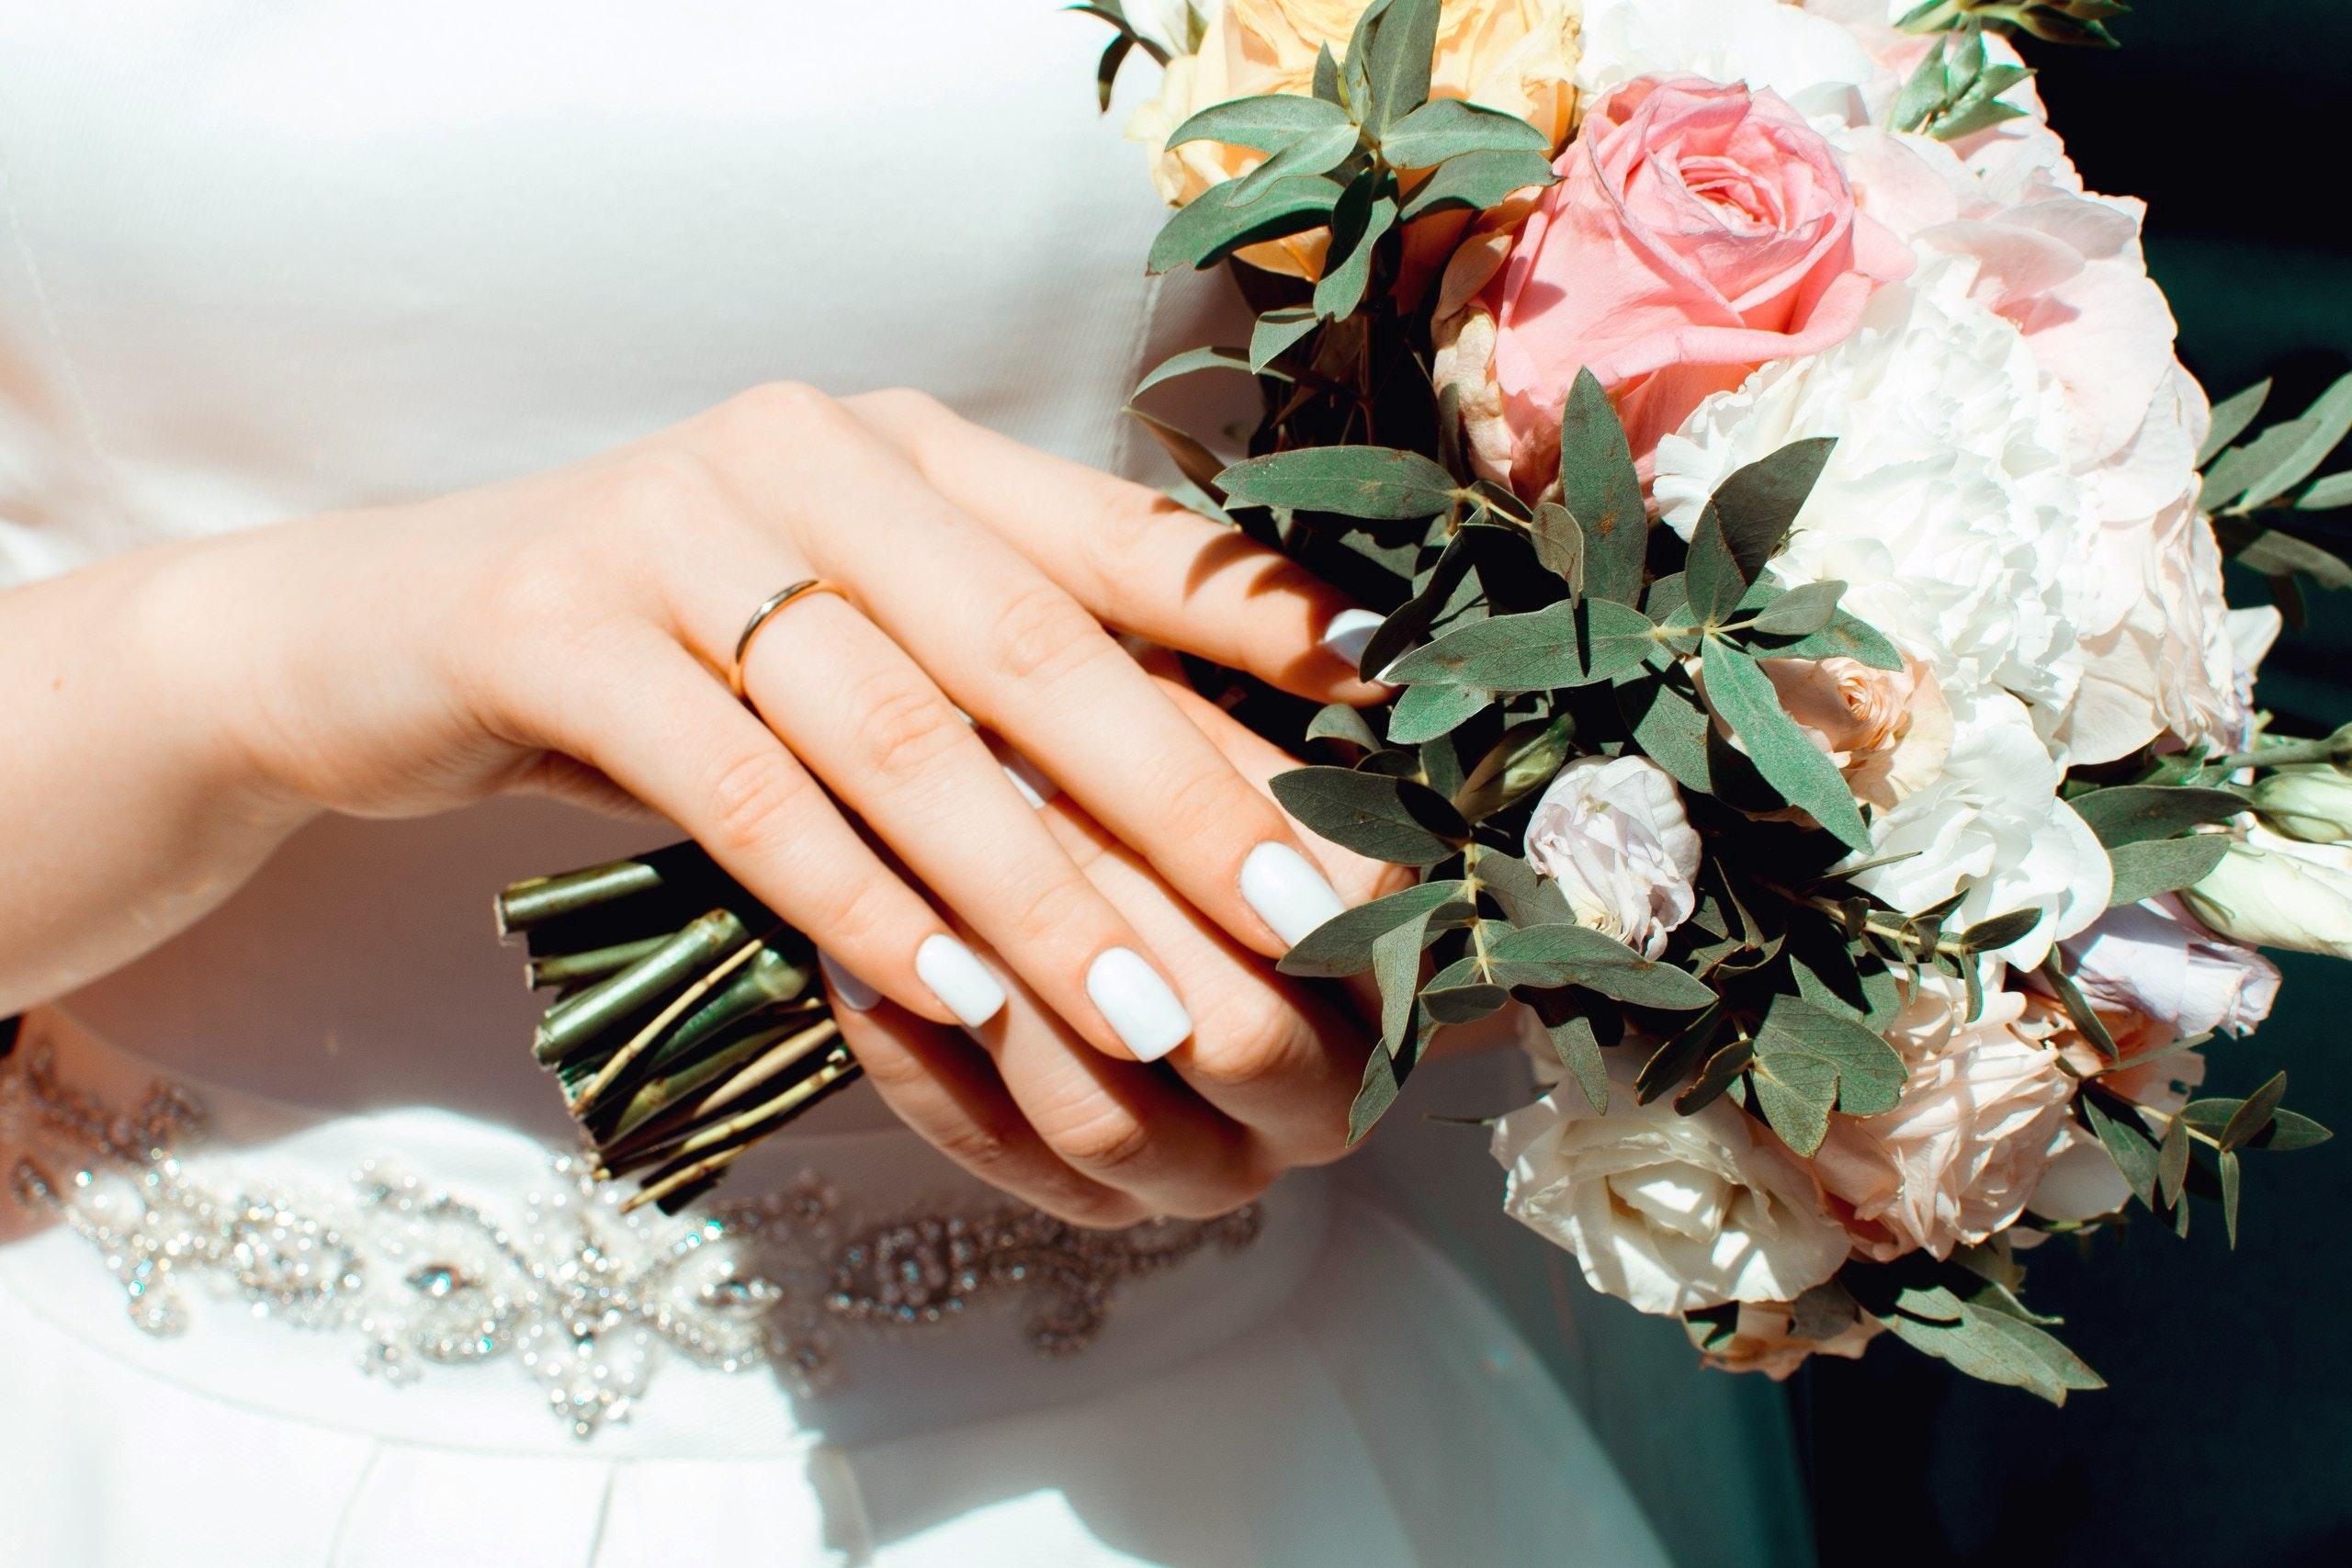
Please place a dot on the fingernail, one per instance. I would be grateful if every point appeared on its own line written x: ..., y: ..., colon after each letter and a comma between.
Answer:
x: 1286, y: 890
x: 959, y: 980
x: 848, y: 989
x: 1035, y: 787
x: 1349, y: 634
x: 1137, y: 1003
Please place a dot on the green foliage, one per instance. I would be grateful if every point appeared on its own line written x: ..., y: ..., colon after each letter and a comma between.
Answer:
x: 2261, y: 489
x: 1956, y: 92
x: 2052, y: 21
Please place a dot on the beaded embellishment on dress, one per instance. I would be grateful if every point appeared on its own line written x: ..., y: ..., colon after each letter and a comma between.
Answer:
x: 588, y: 1299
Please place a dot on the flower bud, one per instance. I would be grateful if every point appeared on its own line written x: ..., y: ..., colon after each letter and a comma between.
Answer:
x: 2311, y: 803
x: 2274, y: 891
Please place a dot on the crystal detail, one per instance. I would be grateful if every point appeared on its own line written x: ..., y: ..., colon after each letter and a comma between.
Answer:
x: 586, y: 1299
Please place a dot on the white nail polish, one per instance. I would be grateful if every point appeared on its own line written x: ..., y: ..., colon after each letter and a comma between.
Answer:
x: 1137, y: 1003
x: 1349, y: 632
x: 848, y: 989
x: 1286, y: 890
x: 1035, y: 787
x: 958, y: 980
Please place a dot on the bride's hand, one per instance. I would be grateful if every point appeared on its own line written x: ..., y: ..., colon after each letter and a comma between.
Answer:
x: 1264, y: 1085
x: 571, y: 631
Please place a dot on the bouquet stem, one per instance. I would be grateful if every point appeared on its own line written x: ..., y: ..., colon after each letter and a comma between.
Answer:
x: 682, y: 1038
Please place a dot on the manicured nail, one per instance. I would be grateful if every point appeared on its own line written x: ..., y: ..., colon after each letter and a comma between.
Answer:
x: 1286, y: 890
x: 1137, y: 1003
x: 848, y: 989
x: 1349, y: 632
x: 959, y: 980
x: 1035, y: 787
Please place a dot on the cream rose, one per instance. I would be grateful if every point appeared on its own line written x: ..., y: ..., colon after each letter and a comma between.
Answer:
x: 1888, y: 730
x: 2274, y: 891
x: 1670, y: 1213
x: 1518, y: 56
x: 1612, y: 832
x: 1983, y: 1113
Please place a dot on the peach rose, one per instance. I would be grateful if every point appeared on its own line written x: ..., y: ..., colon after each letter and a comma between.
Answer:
x: 1983, y: 1113
x: 1888, y: 730
x: 1768, y: 1337
x: 1698, y: 231
x: 1518, y: 56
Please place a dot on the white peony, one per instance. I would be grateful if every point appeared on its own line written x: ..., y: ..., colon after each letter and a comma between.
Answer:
x: 1991, y: 821
x: 1670, y: 1213
x: 1612, y: 832
x: 1947, y: 506
x: 1809, y: 61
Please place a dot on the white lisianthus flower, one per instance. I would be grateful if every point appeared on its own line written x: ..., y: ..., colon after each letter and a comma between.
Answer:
x: 1991, y: 821
x: 1670, y: 1213
x: 2274, y: 891
x: 1809, y: 61
x: 1947, y: 506
x: 2163, y: 977
x: 1612, y: 832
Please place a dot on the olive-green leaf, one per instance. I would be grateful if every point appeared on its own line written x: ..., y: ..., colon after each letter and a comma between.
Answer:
x: 1448, y: 128
x: 1214, y: 224
x: 1802, y: 611
x: 1403, y: 41
x: 1197, y: 359
x: 1428, y: 711
x: 1739, y: 691
x: 1354, y: 481
x: 1525, y: 898
x: 1579, y: 956
x: 1477, y: 181
x: 1269, y: 123
x: 2129, y: 1145
x: 1399, y: 820
x: 2329, y: 419
x: 1276, y: 330
x: 2231, y: 416
x: 1846, y: 637
x: 1363, y: 215
x: 1602, y: 492
x: 2253, y: 1112
x: 1758, y: 504
x: 1579, y: 1052
x: 2161, y: 865
x: 1342, y: 944
x: 1566, y: 644
x: 1810, y: 1061
x: 2130, y: 814
x: 2287, y: 1129
x: 1559, y: 544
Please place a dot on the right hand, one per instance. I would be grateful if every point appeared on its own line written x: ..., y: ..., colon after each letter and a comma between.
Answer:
x: 568, y: 632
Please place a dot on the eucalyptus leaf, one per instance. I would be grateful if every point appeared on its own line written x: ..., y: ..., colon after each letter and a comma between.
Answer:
x: 1477, y: 182
x: 1215, y: 224
x: 1559, y: 544
x: 1802, y: 611
x: 1340, y: 721
x: 1364, y: 213
x: 1192, y: 458
x: 2231, y: 416
x: 2161, y: 865
x: 1739, y: 691
x: 1525, y: 898
x: 1425, y: 712
x: 1268, y: 123
x: 1448, y: 128
x: 1380, y: 482
x: 1522, y: 759
x: 1672, y: 729
x: 1342, y: 944
x: 1810, y: 1061
x: 2130, y: 814
x: 1602, y: 492
x: 1566, y: 644
x: 1576, y: 955
x: 2129, y: 1145
x: 2275, y: 553
x: 1197, y: 359
x: 1401, y: 48
x: 1277, y: 330
x: 2253, y: 1112
x: 2328, y: 419
x: 1579, y: 1053
x: 1402, y: 821
x: 1846, y: 637
x: 2287, y: 1129
x: 2238, y: 469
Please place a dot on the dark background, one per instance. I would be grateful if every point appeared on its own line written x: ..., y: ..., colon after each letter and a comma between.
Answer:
x: 2225, y: 1434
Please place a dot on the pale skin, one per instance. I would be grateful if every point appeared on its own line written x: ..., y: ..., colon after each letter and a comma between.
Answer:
x: 175, y: 713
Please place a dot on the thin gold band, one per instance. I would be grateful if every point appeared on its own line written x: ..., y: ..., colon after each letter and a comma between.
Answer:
x: 761, y: 616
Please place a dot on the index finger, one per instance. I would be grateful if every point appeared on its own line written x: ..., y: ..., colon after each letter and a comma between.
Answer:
x: 1136, y: 559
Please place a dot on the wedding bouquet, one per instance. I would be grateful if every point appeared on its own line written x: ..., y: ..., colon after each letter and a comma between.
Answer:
x: 1816, y: 713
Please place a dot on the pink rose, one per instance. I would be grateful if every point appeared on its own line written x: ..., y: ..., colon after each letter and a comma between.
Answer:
x: 1698, y: 231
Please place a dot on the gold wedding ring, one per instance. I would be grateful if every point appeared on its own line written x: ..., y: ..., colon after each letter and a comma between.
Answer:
x: 761, y: 616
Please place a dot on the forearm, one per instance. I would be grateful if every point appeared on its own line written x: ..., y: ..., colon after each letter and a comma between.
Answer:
x: 130, y: 800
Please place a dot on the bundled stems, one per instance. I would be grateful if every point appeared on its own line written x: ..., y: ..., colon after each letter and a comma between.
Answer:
x: 682, y: 1038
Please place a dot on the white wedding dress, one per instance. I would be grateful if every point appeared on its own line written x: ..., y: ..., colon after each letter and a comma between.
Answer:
x: 293, y: 1270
